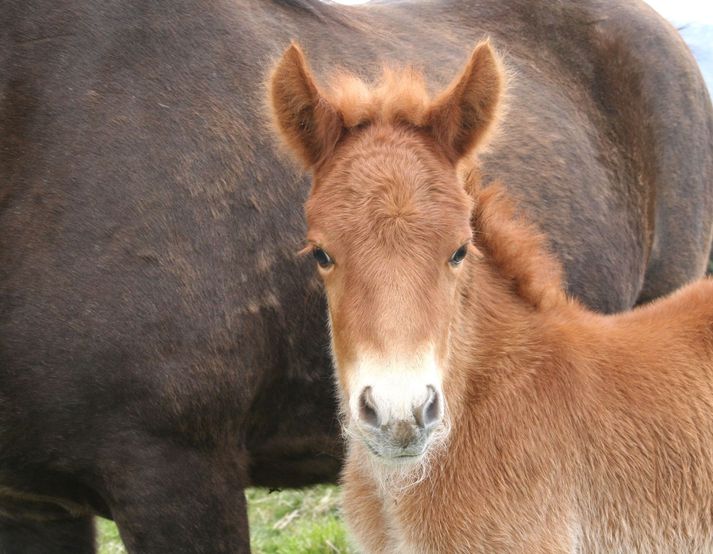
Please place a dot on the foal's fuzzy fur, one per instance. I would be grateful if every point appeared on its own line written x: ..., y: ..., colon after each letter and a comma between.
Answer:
x: 570, y: 431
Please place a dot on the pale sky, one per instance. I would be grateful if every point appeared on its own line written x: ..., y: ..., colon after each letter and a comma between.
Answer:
x: 684, y: 11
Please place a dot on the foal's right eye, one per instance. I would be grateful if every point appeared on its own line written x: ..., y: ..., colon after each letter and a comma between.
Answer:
x: 323, y: 259
x: 459, y: 255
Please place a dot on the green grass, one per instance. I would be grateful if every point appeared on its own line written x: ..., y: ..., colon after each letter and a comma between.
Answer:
x: 108, y: 538
x: 284, y: 522
x: 296, y: 521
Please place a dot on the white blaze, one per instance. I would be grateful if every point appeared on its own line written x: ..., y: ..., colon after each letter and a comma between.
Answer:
x: 399, y: 382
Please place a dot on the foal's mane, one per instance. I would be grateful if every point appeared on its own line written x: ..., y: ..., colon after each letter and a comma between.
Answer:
x: 514, y: 246
x: 399, y: 96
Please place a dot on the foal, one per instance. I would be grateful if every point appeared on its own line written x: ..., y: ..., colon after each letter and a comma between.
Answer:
x: 485, y: 410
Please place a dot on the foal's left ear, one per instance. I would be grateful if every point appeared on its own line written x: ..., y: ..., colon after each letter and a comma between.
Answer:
x: 307, y: 121
x: 462, y: 115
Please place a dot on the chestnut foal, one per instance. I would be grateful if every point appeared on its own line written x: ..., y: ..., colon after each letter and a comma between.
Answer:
x: 485, y: 410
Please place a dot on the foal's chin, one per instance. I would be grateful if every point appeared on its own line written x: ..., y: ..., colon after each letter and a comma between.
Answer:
x: 409, y: 464
x: 392, y: 458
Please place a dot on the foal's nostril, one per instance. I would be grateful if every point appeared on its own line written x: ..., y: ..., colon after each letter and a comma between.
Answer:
x: 367, y: 408
x: 429, y: 412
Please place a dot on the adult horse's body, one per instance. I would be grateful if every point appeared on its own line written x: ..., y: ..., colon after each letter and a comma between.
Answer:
x: 161, y: 347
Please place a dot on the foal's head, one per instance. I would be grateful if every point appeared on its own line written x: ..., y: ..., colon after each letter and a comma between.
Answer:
x: 389, y: 228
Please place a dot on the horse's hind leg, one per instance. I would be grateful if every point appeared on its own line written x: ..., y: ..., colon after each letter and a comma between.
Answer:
x: 63, y: 536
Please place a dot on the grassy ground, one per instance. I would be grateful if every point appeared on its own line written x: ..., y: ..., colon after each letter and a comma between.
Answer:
x: 285, y: 522
x: 108, y: 538
x: 296, y: 521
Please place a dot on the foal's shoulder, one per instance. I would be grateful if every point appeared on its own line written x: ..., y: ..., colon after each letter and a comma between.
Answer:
x: 696, y: 298
x: 687, y: 310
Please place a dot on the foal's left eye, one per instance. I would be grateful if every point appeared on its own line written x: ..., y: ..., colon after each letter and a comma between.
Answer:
x: 323, y: 259
x: 459, y: 255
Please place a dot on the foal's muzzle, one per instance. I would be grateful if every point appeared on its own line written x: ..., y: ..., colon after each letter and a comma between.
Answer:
x: 399, y: 438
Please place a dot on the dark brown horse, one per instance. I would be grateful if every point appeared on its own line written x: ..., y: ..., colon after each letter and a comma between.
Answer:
x: 161, y: 346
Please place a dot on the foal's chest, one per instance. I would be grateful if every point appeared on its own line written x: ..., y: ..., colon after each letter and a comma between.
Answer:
x: 414, y: 525
x: 463, y: 519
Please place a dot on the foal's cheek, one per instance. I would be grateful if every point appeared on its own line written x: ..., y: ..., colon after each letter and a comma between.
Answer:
x: 459, y: 286
x: 339, y: 347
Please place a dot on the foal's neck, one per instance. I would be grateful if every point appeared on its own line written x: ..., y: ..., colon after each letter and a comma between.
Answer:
x: 516, y: 250
x: 514, y: 293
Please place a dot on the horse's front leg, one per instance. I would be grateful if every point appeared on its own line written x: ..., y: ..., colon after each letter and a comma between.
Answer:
x: 167, y: 498
x: 70, y: 535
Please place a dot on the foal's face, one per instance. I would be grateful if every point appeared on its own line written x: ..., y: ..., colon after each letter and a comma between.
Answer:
x: 388, y: 223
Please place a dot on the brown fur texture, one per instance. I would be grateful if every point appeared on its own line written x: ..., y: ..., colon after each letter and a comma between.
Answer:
x: 570, y: 431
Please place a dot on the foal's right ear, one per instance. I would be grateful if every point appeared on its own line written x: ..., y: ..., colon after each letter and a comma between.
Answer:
x: 463, y: 114
x: 308, y: 123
